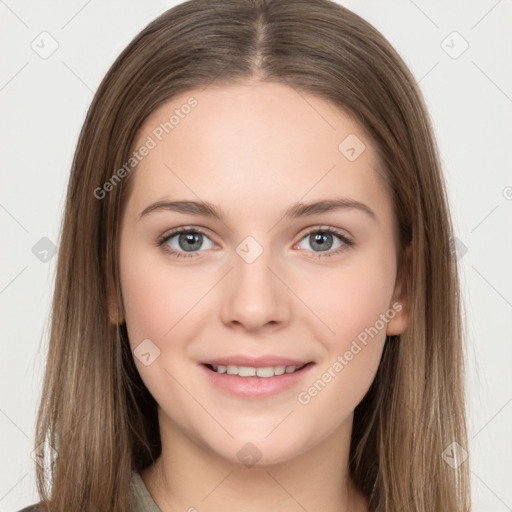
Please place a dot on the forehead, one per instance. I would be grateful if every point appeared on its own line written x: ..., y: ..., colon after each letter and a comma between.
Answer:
x: 255, y: 142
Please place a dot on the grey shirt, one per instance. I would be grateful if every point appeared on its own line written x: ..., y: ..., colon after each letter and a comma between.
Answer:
x: 140, y: 499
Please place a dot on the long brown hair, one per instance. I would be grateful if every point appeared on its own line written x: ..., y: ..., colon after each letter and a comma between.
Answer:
x: 95, y: 410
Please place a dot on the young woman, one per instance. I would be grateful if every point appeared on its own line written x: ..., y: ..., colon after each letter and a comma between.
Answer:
x: 256, y: 305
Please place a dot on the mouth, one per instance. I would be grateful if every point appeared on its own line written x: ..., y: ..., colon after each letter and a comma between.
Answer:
x: 262, y: 381
x: 263, y: 372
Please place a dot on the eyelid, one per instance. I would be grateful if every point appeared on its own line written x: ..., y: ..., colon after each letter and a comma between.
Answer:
x: 325, y: 228
x: 175, y: 231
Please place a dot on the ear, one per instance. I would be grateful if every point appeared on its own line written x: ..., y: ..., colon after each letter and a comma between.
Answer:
x: 400, y: 300
x: 115, y: 313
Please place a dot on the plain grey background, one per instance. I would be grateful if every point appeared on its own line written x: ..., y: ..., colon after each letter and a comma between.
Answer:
x: 54, y: 55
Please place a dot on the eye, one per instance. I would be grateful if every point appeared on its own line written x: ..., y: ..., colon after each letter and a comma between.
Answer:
x: 326, y: 240
x: 184, y: 242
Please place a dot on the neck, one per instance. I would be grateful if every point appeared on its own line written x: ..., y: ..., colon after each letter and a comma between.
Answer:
x: 190, y: 476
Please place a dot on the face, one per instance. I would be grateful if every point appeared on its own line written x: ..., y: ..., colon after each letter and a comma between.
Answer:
x: 266, y: 283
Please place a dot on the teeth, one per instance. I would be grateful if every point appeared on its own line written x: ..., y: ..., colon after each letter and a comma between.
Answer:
x: 249, y: 371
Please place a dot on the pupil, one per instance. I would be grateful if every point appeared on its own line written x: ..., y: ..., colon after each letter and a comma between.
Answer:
x: 322, y: 240
x: 190, y: 241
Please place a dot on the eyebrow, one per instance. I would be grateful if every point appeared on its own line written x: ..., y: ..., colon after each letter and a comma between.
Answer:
x: 205, y: 209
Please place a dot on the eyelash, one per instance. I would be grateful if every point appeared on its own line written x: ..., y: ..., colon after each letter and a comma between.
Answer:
x: 162, y: 241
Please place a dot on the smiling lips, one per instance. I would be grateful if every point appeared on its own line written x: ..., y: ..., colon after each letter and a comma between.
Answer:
x: 265, y: 366
x: 251, y: 371
x: 255, y: 377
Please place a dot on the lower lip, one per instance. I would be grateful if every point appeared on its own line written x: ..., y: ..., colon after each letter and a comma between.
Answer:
x: 256, y: 387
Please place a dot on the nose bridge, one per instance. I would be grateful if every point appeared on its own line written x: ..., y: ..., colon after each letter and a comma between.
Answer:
x: 254, y: 296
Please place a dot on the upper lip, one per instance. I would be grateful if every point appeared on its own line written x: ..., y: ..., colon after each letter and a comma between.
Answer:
x: 256, y: 361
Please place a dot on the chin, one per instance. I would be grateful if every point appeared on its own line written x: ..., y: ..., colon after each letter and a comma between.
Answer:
x: 256, y: 450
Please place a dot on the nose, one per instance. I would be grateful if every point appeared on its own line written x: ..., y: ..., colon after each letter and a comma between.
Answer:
x: 254, y: 297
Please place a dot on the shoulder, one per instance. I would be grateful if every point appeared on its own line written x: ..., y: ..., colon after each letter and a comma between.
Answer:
x: 140, y: 497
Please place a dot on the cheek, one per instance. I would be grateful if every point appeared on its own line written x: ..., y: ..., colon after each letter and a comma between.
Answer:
x: 352, y: 358
x: 161, y: 305
x: 167, y: 306
x: 156, y: 297
x: 350, y: 299
x: 353, y: 306
x: 357, y: 311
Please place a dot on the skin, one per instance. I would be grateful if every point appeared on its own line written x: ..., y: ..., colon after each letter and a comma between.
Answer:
x: 254, y: 150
